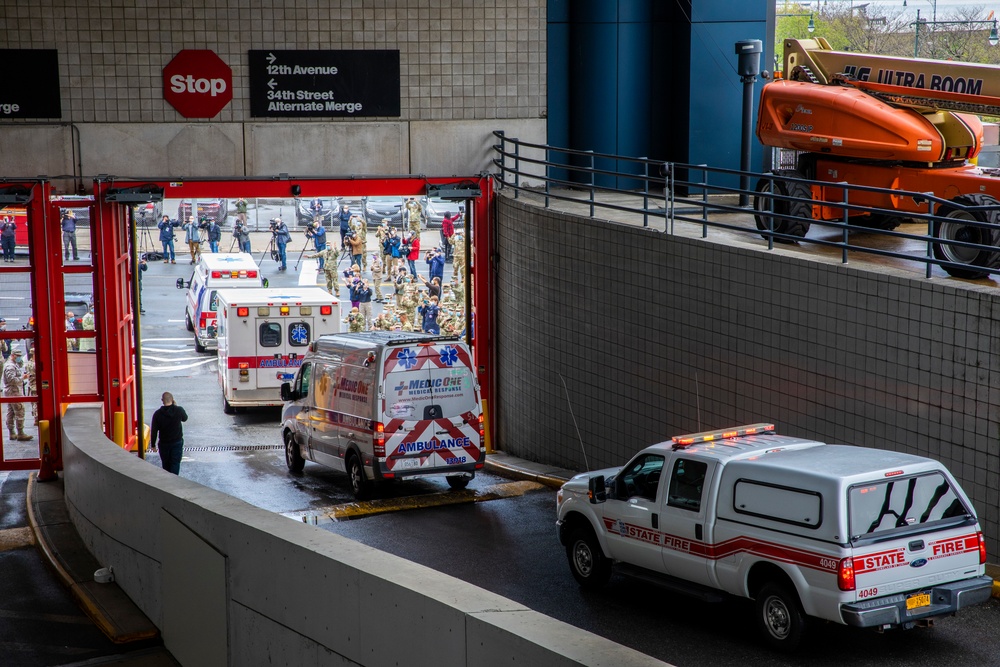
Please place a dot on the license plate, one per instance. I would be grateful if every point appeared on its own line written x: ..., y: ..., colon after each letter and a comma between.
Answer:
x: 406, y: 464
x: 919, y: 600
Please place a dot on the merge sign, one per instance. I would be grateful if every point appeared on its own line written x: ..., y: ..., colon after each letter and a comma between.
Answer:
x: 30, y: 84
x: 324, y: 84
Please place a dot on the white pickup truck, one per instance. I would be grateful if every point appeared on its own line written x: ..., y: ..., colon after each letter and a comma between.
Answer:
x: 863, y: 537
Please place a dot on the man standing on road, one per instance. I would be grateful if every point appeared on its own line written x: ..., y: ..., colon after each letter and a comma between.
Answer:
x: 214, y: 234
x: 282, y: 238
x: 13, y: 385
x: 166, y: 227
x: 69, y: 233
x: 345, y: 225
x: 447, y: 231
x: 193, y: 237
x: 8, y: 238
x: 166, y: 424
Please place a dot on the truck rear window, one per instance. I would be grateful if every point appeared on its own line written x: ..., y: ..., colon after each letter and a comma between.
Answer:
x: 884, y: 506
x: 430, y: 393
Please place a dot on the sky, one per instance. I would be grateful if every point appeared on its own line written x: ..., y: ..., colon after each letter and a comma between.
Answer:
x: 926, y: 7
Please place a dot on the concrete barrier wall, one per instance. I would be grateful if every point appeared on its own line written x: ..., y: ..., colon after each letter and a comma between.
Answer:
x: 229, y: 583
x: 657, y: 335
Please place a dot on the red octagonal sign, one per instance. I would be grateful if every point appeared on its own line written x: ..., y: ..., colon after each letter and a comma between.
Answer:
x: 197, y: 83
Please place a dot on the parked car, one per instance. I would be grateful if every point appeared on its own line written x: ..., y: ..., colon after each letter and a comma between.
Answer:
x: 377, y: 208
x: 304, y: 213
x: 436, y: 209
x: 215, y: 209
x: 149, y: 213
x: 78, y: 304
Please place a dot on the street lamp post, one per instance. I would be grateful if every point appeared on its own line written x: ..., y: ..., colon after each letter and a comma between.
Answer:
x: 993, y: 38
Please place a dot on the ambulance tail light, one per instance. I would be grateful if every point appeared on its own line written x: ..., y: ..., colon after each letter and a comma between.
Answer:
x: 479, y: 425
x: 244, y: 364
x: 845, y: 574
x: 326, y: 310
x: 982, y: 548
x: 235, y: 274
x: 378, y: 440
x: 284, y: 310
x: 252, y: 274
x: 243, y: 312
x: 216, y: 274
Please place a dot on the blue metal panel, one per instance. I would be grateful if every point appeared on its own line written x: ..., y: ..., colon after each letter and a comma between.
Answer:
x: 704, y: 11
x: 593, y: 87
x: 635, y: 87
x: 557, y: 81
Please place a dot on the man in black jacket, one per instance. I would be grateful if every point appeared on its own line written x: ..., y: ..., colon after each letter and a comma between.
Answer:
x: 166, y: 424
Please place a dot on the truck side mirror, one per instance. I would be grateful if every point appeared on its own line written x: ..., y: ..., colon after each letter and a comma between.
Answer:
x: 597, y: 492
x: 180, y: 283
x: 286, y: 391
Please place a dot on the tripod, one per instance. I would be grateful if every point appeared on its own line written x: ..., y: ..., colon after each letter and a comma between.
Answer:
x: 301, y: 252
x: 271, y: 249
x: 146, y: 237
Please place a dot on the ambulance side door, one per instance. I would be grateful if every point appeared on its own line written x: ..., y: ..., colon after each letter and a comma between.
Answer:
x: 685, y: 514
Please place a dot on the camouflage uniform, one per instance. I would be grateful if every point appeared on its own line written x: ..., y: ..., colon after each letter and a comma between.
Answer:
x: 414, y: 212
x: 355, y: 321
x: 29, y: 369
x: 330, y: 258
x: 412, y: 296
x: 458, y: 259
x: 13, y: 385
x: 382, y: 233
x: 88, y: 344
x: 399, y: 283
x: 377, y: 277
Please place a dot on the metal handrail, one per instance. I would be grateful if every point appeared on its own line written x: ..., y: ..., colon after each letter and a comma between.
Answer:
x: 706, y: 201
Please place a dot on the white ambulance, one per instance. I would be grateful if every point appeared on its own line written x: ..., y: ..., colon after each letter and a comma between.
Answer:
x: 386, y: 405
x: 852, y: 535
x: 263, y: 334
x: 213, y: 272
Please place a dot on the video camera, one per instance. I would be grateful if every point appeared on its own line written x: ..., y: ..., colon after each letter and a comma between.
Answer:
x: 272, y: 225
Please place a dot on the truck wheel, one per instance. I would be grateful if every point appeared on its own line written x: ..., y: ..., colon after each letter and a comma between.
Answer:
x: 360, y: 486
x: 187, y: 321
x: 458, y: 483
x: 590, y: 567
x: 789, y: 217
x: 227, y: 407
x: 958, y: 231
x: 780, y: 616
x: 198, y: 347
x: 293, y: 458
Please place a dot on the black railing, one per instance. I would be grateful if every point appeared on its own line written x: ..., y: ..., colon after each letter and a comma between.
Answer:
x: 962, y: 235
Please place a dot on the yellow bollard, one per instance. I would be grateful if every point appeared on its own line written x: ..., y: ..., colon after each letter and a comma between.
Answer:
x: 486, y: 430
x: 119, y: 429
x: 46, y: 471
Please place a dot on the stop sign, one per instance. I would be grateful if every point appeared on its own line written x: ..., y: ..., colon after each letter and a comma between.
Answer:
x: 197, y: 83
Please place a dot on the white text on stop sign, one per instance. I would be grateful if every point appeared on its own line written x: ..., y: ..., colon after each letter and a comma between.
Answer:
x: 188, y: 84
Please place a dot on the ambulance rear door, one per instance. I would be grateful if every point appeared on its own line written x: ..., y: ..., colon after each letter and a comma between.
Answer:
x: 911, y: 532
x: 431, y: 409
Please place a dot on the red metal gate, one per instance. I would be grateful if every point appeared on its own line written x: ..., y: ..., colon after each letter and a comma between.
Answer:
x: 73, y: 304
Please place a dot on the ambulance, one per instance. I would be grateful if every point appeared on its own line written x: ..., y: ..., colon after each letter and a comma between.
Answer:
x: 213, y: 272
x: 263, y: 334
x: 857, y: 536
x: 384, y: 406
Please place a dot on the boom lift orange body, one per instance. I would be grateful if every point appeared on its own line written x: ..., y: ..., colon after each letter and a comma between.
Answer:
x: 895, y: 123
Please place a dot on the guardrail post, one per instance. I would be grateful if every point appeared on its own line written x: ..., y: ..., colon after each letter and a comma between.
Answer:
x: 704, y: 200
x: 668, y: 194
x: 503, y: 155
x: 847, y: 223
x: 517, y: 167
x: 592, y: 183
x: 548, y: 175
x: 645, y: 191
x: 930, y: 236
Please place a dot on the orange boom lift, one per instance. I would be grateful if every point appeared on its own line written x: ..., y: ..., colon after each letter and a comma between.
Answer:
x: 895, y: 123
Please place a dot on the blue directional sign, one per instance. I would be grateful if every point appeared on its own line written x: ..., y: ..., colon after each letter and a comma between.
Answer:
x: 308, y: 83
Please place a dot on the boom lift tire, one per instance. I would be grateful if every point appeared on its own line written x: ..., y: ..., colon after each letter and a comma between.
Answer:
x: 590, y: 567
x: 956, y: 231
x: 293, y: 458
x: 779, y: 616
x: 878, y: 221
x: 790, y: 217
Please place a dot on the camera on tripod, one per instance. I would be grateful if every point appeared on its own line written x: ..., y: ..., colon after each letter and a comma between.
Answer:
x: 272, y: 225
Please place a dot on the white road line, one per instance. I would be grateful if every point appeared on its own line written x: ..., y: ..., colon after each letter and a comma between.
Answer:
x: 167, y: 349
x: 174, y: 359
x: 165, y: 369
x: 156, y: 338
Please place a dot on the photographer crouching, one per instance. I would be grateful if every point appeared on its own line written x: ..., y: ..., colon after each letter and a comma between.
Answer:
x: 279, y: 231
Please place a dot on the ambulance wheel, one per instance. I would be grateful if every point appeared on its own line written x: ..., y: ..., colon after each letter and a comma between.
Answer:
x: 187, y: 321
x: 360, y: 486
x: 779, y: 215
x: 458, y: 483
x: 780, y: 616
x: 227, y: 407
x: 198, y: 347
x: 590, y: 567
x: 293, y: 459
x: 980, y: 235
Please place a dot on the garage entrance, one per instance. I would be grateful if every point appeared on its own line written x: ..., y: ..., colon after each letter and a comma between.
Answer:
x: 70, y: 292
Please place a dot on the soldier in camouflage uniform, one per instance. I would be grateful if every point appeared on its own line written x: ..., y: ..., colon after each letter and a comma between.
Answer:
x: 399, y: 284
x: 458, y: 259
x: 383, y: 322
x: 331, y: 255
x: 13, y: 385
x: 360, y: 227
x: 382, y: 233
x: 405, y: 323
x: 355, y: 321
x: 29, y: 371
x: 412, y: 299
x: 414, y: 213
x: 377, y: 277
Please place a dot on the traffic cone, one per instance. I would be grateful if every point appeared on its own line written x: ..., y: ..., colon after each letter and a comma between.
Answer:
x: 46, y: 472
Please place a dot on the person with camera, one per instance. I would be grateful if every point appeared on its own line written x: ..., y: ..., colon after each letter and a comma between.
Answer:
x: 435, y: 264
x: 317, y: 232
x: 329, y: 257
x: 359, y: 225
x: 448, y: 231
x: 166, y: 227
x: 69, y: 233
x: 192, y: 234
x: 241, y: 211
x: 345, y: 225
x: 214, y: 233
x: 356, y: 247
x: 241, y: 232
x: 279, y: 231
x: 362, y: 293
x: 410, y: 249
x: 429, y: 312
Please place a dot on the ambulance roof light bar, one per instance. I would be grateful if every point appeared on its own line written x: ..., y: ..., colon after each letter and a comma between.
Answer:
x: 682, y: 441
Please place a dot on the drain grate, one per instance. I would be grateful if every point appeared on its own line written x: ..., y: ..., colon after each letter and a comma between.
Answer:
x: 234, y: 448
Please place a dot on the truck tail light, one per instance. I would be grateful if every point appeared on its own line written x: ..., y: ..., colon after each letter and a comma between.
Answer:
x: 325, y: 310
x: 216, y: 274
x: 378, y: 440
x: 482, y: 430
x: 982, y: 549
x: 242, y: 312
x: 251, y: 274
x: 845, y: 574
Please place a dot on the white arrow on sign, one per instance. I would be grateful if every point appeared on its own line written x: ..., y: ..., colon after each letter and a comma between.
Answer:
x: 271, y: 84
x: 271, y: 58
